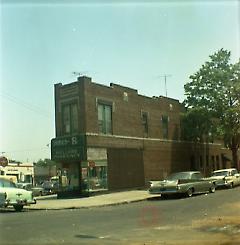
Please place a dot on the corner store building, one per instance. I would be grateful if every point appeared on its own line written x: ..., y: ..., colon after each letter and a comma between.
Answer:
x: 111, y: 137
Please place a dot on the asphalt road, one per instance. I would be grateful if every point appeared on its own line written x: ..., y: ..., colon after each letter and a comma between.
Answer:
x: 147, y: 222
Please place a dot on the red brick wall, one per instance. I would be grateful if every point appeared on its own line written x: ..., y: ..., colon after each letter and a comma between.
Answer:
x: 153, y: 157
x: 126, y: 116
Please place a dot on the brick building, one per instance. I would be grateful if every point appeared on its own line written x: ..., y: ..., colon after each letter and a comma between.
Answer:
x: 111, y: 137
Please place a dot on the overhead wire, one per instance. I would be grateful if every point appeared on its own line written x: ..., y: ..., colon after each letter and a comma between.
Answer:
x: 24, y: 150
x: 25, y: 104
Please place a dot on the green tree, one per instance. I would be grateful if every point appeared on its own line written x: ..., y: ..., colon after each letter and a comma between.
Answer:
x: 215, y: 89
x: 197, y: 126
x: 45, y: 162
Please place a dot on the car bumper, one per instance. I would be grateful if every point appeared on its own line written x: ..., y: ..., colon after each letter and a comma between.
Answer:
x: 23, y: 202
x: 225, y: 184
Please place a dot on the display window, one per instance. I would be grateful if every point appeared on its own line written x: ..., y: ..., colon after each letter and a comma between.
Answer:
x: 94, y: 176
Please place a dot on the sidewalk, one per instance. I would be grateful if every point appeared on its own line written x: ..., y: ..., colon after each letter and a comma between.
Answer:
x: 52, y: 203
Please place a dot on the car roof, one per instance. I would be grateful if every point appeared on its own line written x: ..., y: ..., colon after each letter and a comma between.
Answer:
x: 225, y: 169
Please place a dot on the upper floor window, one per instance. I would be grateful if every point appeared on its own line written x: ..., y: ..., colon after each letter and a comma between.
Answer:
x: 165, y: 126
x: 145, y: 122
x: 105, y: 118
x: 70, y: 118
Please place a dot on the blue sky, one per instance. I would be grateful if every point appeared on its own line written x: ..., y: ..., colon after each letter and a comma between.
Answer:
x: 133, y: 43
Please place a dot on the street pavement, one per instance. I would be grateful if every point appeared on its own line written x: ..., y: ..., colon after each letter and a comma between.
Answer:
x: 208, y: 219
x: 96, y: 200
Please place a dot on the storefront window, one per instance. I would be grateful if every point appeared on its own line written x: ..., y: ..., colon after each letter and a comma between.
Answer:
x: 94, y: 178
x: 69, y: 177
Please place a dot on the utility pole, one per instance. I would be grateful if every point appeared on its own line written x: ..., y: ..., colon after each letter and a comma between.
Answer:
x: 165, y: 81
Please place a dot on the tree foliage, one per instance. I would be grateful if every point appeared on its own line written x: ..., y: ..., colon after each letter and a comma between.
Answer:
x: 45, y: 162
x: 215, y: 91
x: 197, y: 126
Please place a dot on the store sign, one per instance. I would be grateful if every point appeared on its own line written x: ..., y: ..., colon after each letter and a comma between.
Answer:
x: 68, y: 148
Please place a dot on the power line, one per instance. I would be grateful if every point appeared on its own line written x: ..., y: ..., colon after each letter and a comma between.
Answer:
x: 24, y: 150
x: 24, y: 104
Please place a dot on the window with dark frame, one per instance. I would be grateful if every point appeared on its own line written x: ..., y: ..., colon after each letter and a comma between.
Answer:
x: 165, y: 126
x: 70, y: 118
x: 207, y: 161
x: 105, y: 118
x: 213, y: 163
x: 145, y: 121
x: 201, y: 162
x: 217, y: 162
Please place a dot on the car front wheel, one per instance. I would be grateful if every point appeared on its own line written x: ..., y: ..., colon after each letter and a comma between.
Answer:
x: 189, y: 192
x: 231, y: 185
x: 18, y: 208
x: 164, y: 196
x: 212, y: 189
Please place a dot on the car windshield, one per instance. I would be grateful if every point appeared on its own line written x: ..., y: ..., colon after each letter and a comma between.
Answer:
x: 7, y: 183
x: 221, y: 173
x: 181, y: 175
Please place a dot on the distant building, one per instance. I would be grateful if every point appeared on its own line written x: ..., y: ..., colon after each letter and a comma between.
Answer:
x: 113, y: 138
x: 23, y: 172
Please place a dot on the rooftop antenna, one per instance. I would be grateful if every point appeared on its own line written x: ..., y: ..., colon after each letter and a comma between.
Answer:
x: 81, y: 73
x: 165, y: 81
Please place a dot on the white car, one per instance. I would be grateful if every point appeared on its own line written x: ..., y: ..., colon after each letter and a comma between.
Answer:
x: 226, y: 177
x: 10, y: 195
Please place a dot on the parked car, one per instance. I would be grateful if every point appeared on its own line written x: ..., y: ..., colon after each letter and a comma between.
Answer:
x: 50, y: 187
x: 225, y: 177
x: 186, y: 183
x: 36, y: 190
x: 10, y: 195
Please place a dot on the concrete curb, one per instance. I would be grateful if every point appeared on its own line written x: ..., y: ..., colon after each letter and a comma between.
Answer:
x: 90, y: 206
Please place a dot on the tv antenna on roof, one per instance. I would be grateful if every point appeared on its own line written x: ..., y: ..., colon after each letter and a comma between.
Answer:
x: 165, y: 81
x: 82, y: 73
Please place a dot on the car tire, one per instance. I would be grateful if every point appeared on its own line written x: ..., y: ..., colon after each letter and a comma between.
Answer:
x: 212, y: 189
x: 189, y: 192
x: 18, y: 208
x: 164, y: 196
x: 231, y: 185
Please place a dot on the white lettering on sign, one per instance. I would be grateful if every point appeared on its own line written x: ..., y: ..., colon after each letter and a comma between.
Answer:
x: 74, y: 141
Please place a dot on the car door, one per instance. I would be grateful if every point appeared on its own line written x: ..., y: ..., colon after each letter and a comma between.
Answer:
x: 200, y: 185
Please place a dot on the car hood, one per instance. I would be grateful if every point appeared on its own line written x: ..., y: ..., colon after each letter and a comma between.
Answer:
x: 13, y: 193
